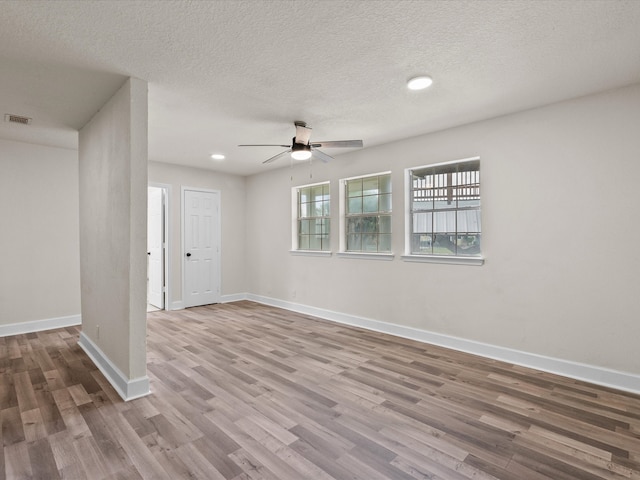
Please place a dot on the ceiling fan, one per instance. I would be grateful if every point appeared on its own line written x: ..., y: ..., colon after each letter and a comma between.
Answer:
x: 302, y: 149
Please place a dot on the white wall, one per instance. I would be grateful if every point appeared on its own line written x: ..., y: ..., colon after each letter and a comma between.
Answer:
x: 561, y: 224
x: 39, y: 260
x: 113, y: 234
x: 232, y: 206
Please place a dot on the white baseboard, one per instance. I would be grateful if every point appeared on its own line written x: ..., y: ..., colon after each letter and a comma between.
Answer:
x: 589, y: 373
x: 128, y: 389
x: 179, y: 305
x: 236, y: 297
x: 39, y: 325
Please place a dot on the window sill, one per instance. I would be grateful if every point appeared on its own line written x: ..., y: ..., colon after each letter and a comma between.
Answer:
x: 310, y: 253
x: 368, y: 256
x: 444, y: 259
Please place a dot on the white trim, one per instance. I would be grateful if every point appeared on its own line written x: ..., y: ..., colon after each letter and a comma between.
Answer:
x: 128, y: 389
x: 217, y: 233
x: 234, y: 297
x: 444, y: 259
x: 627, y: 382
x: 39, y: 325
x: 166, y: 206
x: 366, y: 255
x: 178, y: 305
x: 310, y: 253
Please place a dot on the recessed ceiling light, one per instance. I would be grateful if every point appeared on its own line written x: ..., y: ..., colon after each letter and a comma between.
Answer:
x: 419, y: 83
x: 217, y: 156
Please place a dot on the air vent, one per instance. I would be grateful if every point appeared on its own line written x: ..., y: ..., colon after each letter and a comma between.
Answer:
x: 17, y: 119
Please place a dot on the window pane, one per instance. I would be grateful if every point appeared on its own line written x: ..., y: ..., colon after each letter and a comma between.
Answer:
x: 444, y: 245
x: 316, y: 193
x: 469, y: 221
x: 370, y: 204
x: 443, y: 202
x: 355, y: 205
x: 304, y: 210
x: 354, y: 242
x: 385, y: 203
x: 354, y: 188
x: 305, y: 194
x: 422, y: 222
x: 315, y: 242
x: 370, y: 186
x: 444, y: 221
x: 326, y: 208
x: 422, y: 204
x: 303, y: 242
x: 384, y: 243
x: 304, y: 226
x: 422, y: 244
x: 354, y: 225
x: 469, y: 244
x: 384, y: 224
x: 384, y: 184
x: 325, y: 242
x: 315, y: 227
x: 369, y: 224
x: 326, y: 190
x: 317, y: 209
x: 369, y: 243
x: 468, y: 202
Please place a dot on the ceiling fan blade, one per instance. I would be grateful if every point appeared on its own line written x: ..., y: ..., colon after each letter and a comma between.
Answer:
x: 277, y: 157
x: 267, y: 145
x: 339, y: 144
x: 303, y: 134
x: 321, y: 155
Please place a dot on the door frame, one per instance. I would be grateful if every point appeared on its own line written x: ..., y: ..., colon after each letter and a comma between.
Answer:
x: 166, y: 211
x: 217, y: 236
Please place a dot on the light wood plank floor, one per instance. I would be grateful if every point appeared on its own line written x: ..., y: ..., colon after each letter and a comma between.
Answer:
x: 248, y: 392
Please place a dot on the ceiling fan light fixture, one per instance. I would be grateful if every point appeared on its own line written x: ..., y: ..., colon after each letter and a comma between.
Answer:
x: 419, y: 83
x: 301, y: 154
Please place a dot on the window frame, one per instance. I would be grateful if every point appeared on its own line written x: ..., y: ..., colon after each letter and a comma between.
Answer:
x: 433, y: 258
x: 295, y: 221
x: 343, y: 252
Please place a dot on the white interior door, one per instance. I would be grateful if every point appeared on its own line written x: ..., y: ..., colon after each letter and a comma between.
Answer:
x: 201, y: 214
x: 155, y: 250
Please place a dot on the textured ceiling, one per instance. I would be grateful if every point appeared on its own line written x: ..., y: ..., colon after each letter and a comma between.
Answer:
x: 222, y: 73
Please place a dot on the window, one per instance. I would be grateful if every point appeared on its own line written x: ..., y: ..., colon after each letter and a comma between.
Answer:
x: 444, y: 203
x: 312, y: 217
x: 368, y: 213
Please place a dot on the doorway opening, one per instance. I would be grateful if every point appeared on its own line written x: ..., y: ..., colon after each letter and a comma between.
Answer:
x: 157, y: 247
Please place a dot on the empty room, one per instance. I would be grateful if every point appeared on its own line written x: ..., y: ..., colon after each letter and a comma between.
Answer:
x: 320, y: 239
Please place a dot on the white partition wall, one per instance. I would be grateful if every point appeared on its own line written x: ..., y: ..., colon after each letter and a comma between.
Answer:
x: 113, y: 237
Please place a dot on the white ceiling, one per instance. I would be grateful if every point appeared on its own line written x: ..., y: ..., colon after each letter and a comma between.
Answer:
x: 223, y: 73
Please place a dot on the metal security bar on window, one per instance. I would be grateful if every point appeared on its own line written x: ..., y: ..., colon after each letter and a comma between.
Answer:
x: 314, y: 217
x: 445, y: 209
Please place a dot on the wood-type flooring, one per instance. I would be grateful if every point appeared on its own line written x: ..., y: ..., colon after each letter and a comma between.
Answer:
x: 243, y: 391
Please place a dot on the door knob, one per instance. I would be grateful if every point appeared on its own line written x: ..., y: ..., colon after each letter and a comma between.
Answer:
x: 188, y: 254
